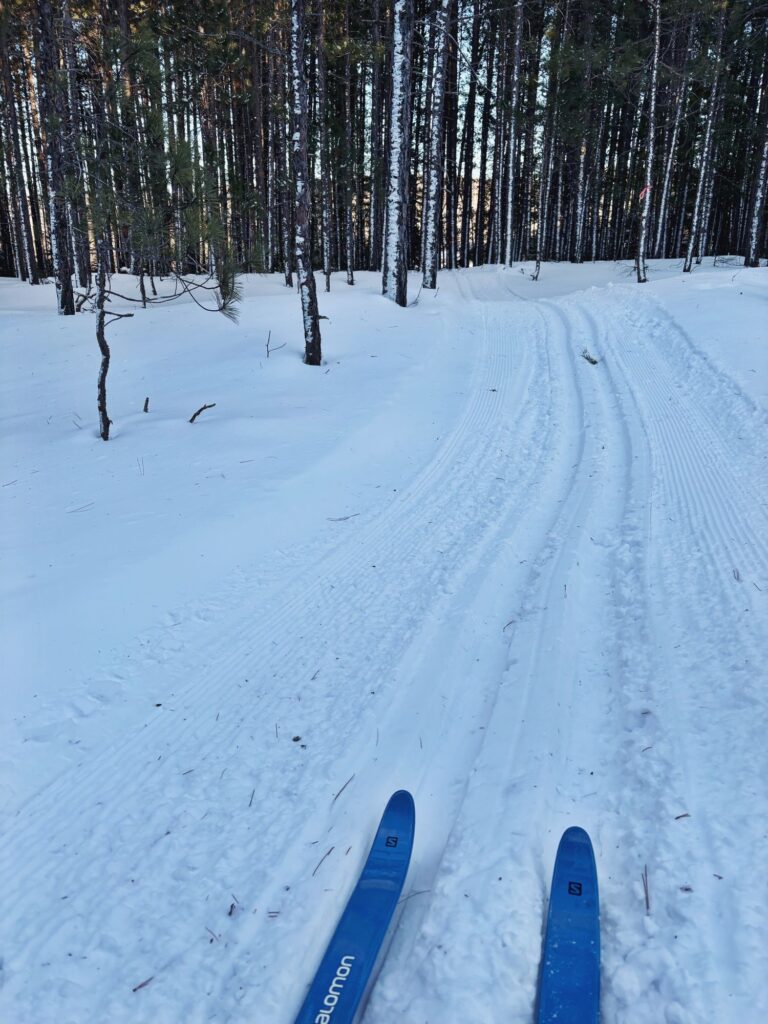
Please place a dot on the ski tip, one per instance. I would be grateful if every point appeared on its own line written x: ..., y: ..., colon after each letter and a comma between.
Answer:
x: 576, y: 835
x: 402, y: 801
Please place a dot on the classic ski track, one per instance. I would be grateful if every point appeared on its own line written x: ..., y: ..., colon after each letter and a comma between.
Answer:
x: 413, y: 696
x: 517, y: 701
x: 642, y: 828
x: 612, y: 496
x: 415, y: 943
x: 676, y: 432
x: 631, y: 694
x: 50, y: 872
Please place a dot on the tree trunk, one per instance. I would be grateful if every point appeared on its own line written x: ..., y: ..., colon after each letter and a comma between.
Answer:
x: 395, y: 273
x: 434, y: 163
x: 693, y: 238
x: 349, y: 161
x: 102, y: 256
x: 306, y: 278
x: 512, y: 140
x: 377, y: 144
x: 325, y: 172
x: 752, y: 258
x: 646, y: 209
x: 468, y: 143
x: 53, y: 105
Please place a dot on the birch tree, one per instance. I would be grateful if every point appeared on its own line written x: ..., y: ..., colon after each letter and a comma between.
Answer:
x: 706, y: 146
x: 650, y: 148
x: 434, y: 162
x: 395, y: 272
x: 755, y: 221
x: 325, y: 171
x: 302, y: 250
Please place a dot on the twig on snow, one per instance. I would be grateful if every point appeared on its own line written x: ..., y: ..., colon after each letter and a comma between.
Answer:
x: 327, y: 854
x: 202, y: 409
x: 277, y: 348
x: 646, y: 890
x: 415, y: 301
x: 342, y: 789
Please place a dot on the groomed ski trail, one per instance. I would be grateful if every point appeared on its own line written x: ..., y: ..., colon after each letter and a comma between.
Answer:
x: 179, y: 819
x: 515, y: 673
x: 631, y: 628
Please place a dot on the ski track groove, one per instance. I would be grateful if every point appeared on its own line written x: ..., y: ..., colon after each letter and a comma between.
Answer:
x: 727, y: 668
x: 499, y: 957
x: 533, y: 418
x: 645, y: 756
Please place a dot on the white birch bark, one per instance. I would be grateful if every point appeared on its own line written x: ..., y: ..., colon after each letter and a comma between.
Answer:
x: 434, y: 167
x: 752, y: 258
x: 349, y: 236
x: 395, y: 271
x: 708, y: 193
x: 693, y: 238
x: 578, y: 254
x: 325, y: 182
x: 646, y: 212
x: 559, y: 209
x: 428, y: 110
x: 300, y: 141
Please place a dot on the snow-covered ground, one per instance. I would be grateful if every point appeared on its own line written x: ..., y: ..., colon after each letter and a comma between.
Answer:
x: 457, y: 558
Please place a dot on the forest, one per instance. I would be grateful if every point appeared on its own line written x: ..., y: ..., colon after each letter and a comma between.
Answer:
x: 254, y: 136
x: 402, y: 655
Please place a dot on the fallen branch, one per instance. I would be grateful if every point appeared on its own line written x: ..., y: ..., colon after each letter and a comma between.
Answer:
x: 202, y: 409
x: 646, y: 890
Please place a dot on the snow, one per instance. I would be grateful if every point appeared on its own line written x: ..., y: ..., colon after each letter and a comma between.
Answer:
x: 456, y: 558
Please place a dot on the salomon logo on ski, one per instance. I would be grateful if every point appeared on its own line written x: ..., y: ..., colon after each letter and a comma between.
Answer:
x: 334, y: 990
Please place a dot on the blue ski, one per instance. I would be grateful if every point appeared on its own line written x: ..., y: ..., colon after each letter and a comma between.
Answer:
x: 344, y: 972
x: 569, y: 987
